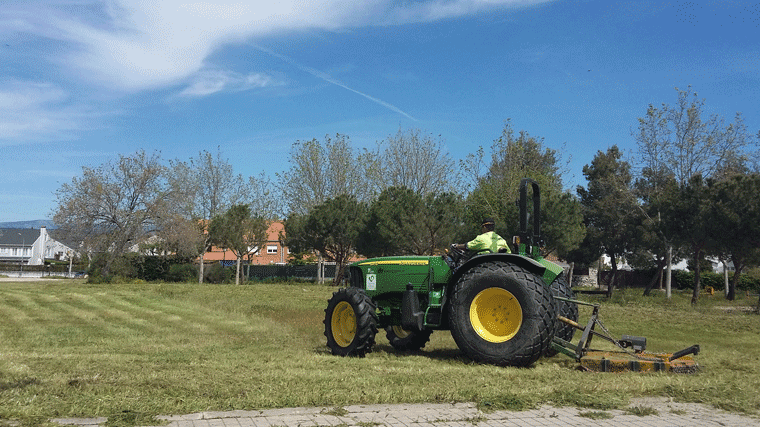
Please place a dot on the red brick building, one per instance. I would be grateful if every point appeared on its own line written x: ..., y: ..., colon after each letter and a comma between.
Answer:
x: 272, y: 252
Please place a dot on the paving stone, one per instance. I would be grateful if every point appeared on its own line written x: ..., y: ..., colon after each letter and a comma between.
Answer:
x: 669, y: 414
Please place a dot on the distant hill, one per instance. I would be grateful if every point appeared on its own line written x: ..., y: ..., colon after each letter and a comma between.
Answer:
x: 37, y: 223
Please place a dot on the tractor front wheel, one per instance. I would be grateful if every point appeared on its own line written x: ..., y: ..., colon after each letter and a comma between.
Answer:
x: 350, y: 323
x: 502, y: 314
x: 404, y: 340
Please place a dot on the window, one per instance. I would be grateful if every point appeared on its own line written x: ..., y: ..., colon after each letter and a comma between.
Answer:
x: 272, y: 249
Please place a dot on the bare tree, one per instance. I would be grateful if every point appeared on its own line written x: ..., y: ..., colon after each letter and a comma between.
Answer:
x: 680, y: 141
x: 418, y: 162
x: 202, y: 187
x: 321, y: 171
x: 263, y: 197
x: 115, y: 205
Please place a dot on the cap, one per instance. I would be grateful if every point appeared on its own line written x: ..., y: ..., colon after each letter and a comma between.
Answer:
x: 488, y: 221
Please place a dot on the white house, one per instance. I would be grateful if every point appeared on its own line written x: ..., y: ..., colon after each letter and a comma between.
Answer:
x: 29, y: 246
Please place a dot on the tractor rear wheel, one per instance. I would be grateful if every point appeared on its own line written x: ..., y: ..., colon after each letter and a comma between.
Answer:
x: 502, y: 314
x: 404, y: 340
x: 560, y: 288
x: 350, y: 323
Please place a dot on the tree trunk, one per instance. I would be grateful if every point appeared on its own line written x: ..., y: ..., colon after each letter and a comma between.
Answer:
x: 338, y: 274
x: 570, y: 274
x: 725, y: 278
x: 738, y: 268
x: 339, y: 267
x: 697, y: 281
x: 655, y: 278
x: 611, y: 285
x: 320, y: 271
x: 732, y: 285
x: 668, y: 272
x: 200, y: 268
x: 237, y: 271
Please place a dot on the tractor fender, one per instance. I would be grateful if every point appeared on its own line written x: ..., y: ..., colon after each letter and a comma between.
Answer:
x: 529, y: 264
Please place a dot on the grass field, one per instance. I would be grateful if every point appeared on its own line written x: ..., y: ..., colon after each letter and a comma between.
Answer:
x: 129, y: 352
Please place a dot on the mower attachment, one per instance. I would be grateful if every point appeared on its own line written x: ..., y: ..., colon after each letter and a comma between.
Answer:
x: 630, y: 356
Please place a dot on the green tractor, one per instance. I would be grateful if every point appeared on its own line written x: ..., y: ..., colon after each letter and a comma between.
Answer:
x: 500, y: 307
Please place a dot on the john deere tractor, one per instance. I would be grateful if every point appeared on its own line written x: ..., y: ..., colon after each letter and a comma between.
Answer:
x: 499, y: 307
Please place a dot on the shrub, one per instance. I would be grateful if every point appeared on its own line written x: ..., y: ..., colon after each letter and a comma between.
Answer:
x: 182, y: 273
x: 219, y: 274
x: 685, y: 280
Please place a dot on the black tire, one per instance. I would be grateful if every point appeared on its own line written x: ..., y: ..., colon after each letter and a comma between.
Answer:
x: 403, y: 340
x: 502, y: 314
x: 350, y: 323
x: 560, y: 288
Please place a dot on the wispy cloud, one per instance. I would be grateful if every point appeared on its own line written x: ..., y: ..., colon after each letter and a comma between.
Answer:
x: 134, y: 45
x: 326, y: 77
x: 209, y: 82
x: 36, y: 111
x: 120, y: 47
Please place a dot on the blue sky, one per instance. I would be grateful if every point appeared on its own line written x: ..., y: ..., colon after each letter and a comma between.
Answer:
x: 82, y: 81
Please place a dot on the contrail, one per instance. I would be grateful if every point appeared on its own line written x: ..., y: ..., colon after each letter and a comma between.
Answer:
x: 326, y: 77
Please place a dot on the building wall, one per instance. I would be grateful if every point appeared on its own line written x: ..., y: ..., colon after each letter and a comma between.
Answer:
x: 273, y: 251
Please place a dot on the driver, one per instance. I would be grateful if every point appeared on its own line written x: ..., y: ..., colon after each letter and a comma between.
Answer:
x: 487, y: 241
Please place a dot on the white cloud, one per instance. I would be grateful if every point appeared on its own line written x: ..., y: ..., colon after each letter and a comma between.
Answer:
x: 208, y: 82
x: 34, y: 111
x: 126, y: 46
x: 139, y: 44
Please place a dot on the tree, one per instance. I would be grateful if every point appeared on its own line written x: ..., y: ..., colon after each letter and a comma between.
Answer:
x: 240, y: 231
x: 679, y: 143
x: 418, y: 162
x: 321, y: 171
x: 403, y: 222
x: 677, y: 140
x: 115, y: 205
x: 688, y: 214
x: 331, y: 228
x: 202, y: 187
x: 735, y: 222
x: 513, y: 157
x: 263, y: 198
x: 609, y: 207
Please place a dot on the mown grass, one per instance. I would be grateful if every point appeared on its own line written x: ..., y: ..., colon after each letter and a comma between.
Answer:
x: 129, y: 352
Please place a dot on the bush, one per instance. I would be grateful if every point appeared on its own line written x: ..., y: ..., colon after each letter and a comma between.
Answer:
x: 182, y: 273
x: 219, y: 274
x: 685, y: 280
x: 130, y: 267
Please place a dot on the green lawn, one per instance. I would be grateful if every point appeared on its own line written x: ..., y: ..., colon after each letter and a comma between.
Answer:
x: 129, y: 352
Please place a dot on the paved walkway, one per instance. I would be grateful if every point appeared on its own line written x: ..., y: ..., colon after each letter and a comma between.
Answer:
x: 668, y: 414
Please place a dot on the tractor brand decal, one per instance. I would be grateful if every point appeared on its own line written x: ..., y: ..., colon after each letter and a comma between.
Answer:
x: 371, y: 282
x: 398, y: 262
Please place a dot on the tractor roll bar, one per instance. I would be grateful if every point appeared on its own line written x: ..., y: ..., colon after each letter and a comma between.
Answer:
x: 523, y: 204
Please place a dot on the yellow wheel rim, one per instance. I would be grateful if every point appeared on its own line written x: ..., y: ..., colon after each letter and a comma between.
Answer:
x: 343, y: 324
x: 496, y: 315
x: 401, y: 332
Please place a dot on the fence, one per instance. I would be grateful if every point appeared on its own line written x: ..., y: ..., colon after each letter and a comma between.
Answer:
x: 61, y: 270
x: 627, y: 278
x: 309, y: 272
